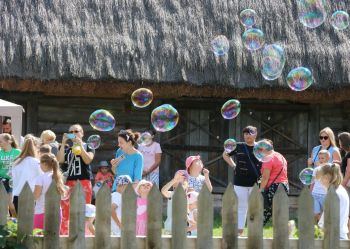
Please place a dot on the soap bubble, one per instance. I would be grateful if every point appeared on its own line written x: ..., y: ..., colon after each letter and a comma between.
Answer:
x: 273, y: 61
x: 142, y: 97
x: 102, y: 120
x: 164, y: 118
x: 94, y: 141
x: 305, y: 176
x: 312, y: 13
x: 248, y: 17
x: 220, y: 45
x: 145, y: 139
x: 230, y: 145
x: 262, y: 151
x: 299, y: 79
x: 231, y: 109
x: 340, y: 20
x: 253, y: 39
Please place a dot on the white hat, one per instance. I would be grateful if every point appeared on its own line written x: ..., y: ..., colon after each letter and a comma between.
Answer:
x: 142, y: 182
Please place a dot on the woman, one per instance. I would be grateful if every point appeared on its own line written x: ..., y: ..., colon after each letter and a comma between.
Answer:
x: 25, y: 169
x: 344, y: 144
x: 76, y: 167
x: 152, y: 154
x: 8, y: 153
x: 128, y: 161
x: 327, y: 141
x: 274, y: 173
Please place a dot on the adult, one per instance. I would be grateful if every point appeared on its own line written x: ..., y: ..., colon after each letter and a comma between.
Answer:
x: 128, y: 160
x: 274, y: 173
x: 246, y: 172
x: 75, y: 162
x: 25, y: 169
x: 7, y: 128
x: 152, y: 155
x: 327, y: 142
x: 344, y: 144
x: 8, y: 153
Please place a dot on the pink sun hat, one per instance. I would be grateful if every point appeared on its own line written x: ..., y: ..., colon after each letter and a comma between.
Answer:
x: 190, y: 160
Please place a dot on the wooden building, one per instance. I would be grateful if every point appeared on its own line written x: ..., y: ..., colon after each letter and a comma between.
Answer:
x: 64, y: 59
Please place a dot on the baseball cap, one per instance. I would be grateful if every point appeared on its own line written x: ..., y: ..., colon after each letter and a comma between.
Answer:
x: 190, y: 160
x: 103, y: 164
x: 90, y: 210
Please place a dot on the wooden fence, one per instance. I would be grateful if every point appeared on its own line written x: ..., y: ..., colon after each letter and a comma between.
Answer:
x: 179, y: 240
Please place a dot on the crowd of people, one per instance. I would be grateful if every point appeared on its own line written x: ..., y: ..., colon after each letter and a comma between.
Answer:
x: 44, y: 160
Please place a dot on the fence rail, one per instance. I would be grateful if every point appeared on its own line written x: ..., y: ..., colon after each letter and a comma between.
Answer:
x: 179, y: 240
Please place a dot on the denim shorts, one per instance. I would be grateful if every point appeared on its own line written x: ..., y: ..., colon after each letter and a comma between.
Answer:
x: 318, y: 203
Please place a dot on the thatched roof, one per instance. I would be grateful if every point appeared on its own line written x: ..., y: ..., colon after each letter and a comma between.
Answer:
x: 162, y: 41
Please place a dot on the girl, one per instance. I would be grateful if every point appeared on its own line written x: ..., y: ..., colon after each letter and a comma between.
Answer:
x: 142, y: 189
x: 330, y: 175
x: 104, y: 174
x: 128, y: 161
x: 194, y: 167
x: 192, y: 198
x: 181, y: 177
x: 8, y: 153
x: 26, y: 168
x: 50, y: 168
x: 90, y: 214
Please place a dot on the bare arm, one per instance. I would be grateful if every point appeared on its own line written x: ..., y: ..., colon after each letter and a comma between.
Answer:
x: 347, y: 173
x: 60, y: 153
x: 37, y: 191
x: 265, y: 179
x: 165, y: 190
x: 228, y: 160
x: 86, y: 156
x: 337, y: 157
x: 114, y: 215
x: 158, y: 158
x: 207, y: 179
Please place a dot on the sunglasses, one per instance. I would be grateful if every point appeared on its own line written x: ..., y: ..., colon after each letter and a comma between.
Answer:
x: 76, y: 131
x: 323, y: 137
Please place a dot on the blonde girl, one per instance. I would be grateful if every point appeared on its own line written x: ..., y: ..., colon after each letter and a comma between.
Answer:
x: 50, y: 167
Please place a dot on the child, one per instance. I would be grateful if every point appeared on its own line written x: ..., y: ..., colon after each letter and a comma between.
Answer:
x: 50, y: 168
x: 330, y: 175
x: 122, y: 182
x: 49, y: 137
x: 44, y: 149
x: 192, y: 198
x: 181, y: 177
x: 194, y: 167
x: 318, y: 191
x: 142, y: 189
x: 104, y: 174
x: 90, y: 214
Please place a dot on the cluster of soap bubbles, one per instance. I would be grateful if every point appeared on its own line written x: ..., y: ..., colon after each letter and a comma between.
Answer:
x: 142, y: 97
x: 164, y: 118
x: 230, y: 145
x: 273, y: 60
x: 263, y: 151
x: 306, y: 176
x: 231, y: 109
x: 253, y: 38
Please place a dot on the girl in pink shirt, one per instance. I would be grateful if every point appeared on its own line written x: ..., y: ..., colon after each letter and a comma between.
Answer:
x: 142, y: 189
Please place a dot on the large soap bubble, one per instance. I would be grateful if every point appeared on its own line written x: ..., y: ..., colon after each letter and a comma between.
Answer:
x: 340, y: 20
x: 102, y: 120
x: 230, y: 145
x: 312, y: 13
x: 145, y: 139
x: 299, y: 79
x: 273, y: 61
x: 94, y: 142
x: 142, y: 97
x: 220, y: 45
x: 253, y: 39
x: 263, y: 151
x: 164, y: 118
x: 305, y: 176
x: 231, y: 109
x: 248, y: 17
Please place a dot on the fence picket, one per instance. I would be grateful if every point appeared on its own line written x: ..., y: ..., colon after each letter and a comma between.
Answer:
x: 52, y: 218
x: 255, y: 219
x: 179, y: 219
x: 128, y: 231
x: 280, y: 217
x: 103, y: 218
x: 205, y: 219
x: 154, y: 217
x: 229, y: 219
x: 306, y: 220
x: 77, y: 218
x: 3, y: 205
x: 331, y: 220
x: 25, y: 216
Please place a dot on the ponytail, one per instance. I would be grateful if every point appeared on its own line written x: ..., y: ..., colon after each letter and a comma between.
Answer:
x: 333, y: 170
x: 29, y: 149
x: 10, y: 139
x: 129, y: 135
x: 51, y: 161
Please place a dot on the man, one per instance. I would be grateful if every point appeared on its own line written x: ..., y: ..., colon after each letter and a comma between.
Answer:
x: 246, y: 172
x: 7, y: 128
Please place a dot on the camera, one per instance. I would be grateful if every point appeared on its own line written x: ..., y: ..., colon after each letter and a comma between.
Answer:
x: 70, y: 136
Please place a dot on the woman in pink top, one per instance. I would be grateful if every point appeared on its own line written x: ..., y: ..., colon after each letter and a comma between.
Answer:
x: 274, y: 173
x: 142, y: 189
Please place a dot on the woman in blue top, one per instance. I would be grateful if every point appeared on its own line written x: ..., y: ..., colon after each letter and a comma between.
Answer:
x: 128, y: 161
x: 327, y: 142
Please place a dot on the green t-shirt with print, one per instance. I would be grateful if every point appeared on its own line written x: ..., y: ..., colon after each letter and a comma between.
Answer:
x: 6, y: 161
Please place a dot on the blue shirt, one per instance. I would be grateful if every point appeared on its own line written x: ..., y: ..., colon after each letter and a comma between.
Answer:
x: 131, y: 165
x: 316, y: 150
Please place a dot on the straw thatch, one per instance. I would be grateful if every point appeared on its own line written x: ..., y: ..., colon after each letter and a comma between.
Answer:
x: 164, y: 41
